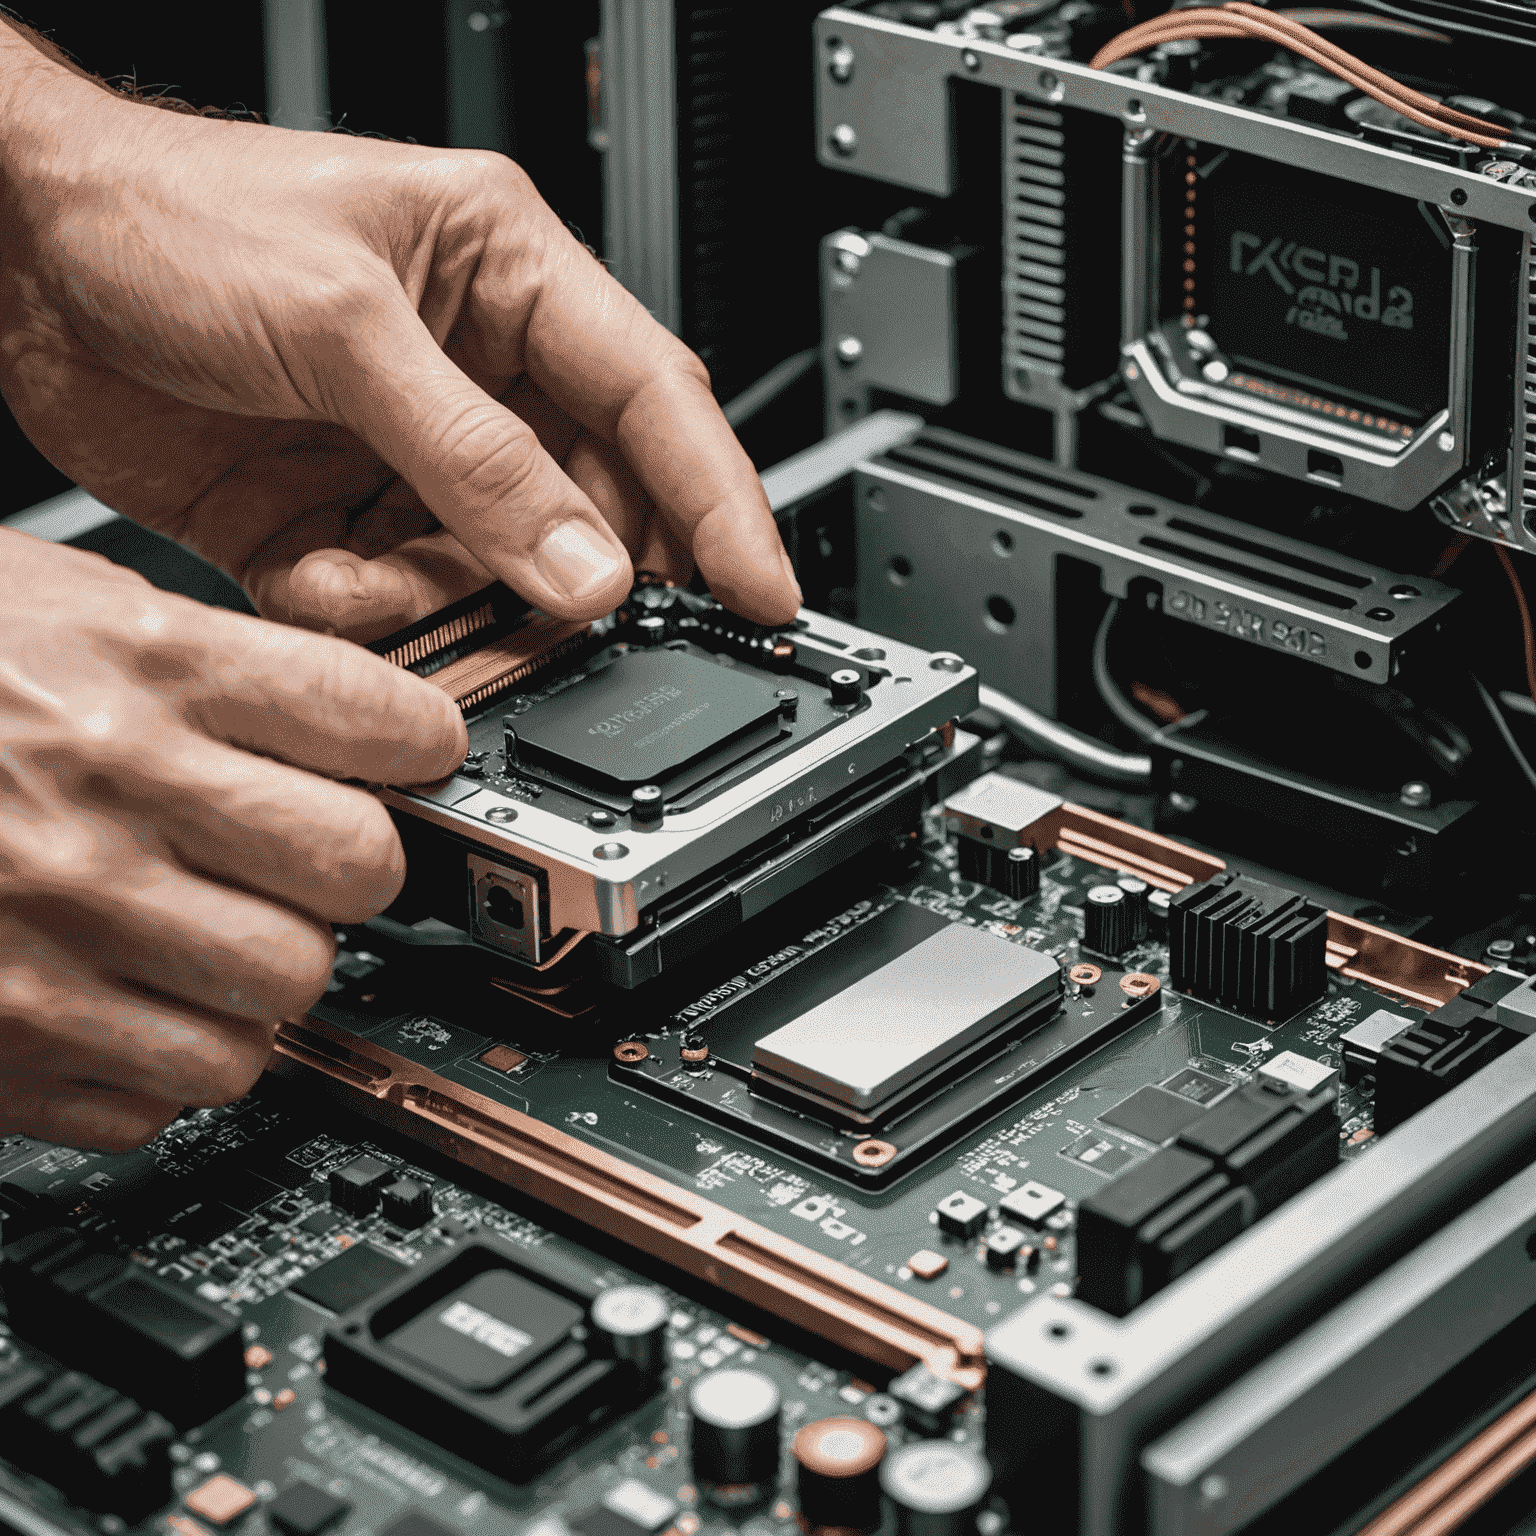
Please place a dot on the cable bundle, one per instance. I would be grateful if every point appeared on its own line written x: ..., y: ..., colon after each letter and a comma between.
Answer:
x: 1250, y: 21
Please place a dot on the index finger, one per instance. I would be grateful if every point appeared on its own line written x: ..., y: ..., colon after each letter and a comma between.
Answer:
x: 593, y: 348
x: 321, y: 703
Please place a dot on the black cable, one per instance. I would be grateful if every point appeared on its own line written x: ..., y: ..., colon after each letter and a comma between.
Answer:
x: 1497, y: 716
x: 1115, y: 701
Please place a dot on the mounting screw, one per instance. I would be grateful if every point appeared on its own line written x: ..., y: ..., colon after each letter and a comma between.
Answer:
x: 1415, y: 792
x: 1183, y: 804
x: 846, y: 685
x: 652, y: 629
x: 1500, y: 949
x: 789, y: 702
x: 840, y: 65
x: 971, y: 59
x: 849, y: 350
x: 844, y: 140
x: 501, y: 813
x: 1213, y: 1489
x: 1458, y: 195
x: 646, y: 803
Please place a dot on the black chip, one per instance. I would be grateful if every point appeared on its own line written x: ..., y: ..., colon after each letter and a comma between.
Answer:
x: 279, y: 1242
x: 1153, y: 1114
x: 347, y: 1280
x: 304, y: 1510
x: 1198, y: 1087
x: 644, y: 718
x: 483, y: 1334
x: 225, y: 1274
x: 321, y: 1223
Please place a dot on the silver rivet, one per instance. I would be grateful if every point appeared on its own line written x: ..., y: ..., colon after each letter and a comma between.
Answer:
x: 840, y: 65
x: 849, y: 350
x: 501, y: 813
x: 610, y: 851
x: 1416, y: 793
x: 844, y: 140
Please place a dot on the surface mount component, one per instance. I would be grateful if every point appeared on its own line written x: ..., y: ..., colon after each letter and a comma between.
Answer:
x: 897, y: 1023
x: 484, y: 1349
x: 1248, y: 945
x: 1360, y: 1047
x: 675, y: 746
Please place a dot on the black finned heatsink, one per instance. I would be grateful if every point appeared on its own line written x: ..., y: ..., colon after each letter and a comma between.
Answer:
x: 1248, y: 945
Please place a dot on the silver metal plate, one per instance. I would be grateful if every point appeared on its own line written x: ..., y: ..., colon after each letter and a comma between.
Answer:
x: 902, y: 1020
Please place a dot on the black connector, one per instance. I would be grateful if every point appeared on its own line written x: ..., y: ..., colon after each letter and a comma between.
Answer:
x: 143, y: 1336
x: 105, y: 1450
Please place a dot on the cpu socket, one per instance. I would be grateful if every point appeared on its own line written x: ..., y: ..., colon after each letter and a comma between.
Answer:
x: 1305, y: 324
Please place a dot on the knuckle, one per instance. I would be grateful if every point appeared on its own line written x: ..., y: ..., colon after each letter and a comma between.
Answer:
x: 297, y: 967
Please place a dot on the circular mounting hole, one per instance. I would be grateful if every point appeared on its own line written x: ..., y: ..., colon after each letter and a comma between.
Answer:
x: 1458, y: 195
x: 1002, y: 542
x: 947, y: 661
x: 898, y: 570
x: 1134, y: 111
x: 849, y: 407
x: 870, y: 653
x: 1054, y: 90
x: 1058, y: 1331
x: 1000, y: 614
x: 971, y: 59
x: 873, y: 1153
x: 1141, y: 509
x: 1363, y: 661
x: 1404, y: 593
x: 1102, y: 1368
x: 1531, y: 213
x: 610, y: 851
x: 501, y: 813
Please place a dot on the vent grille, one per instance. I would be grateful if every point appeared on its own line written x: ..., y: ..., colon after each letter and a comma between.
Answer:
x: 1525, y: 398
x: 1035, y: 262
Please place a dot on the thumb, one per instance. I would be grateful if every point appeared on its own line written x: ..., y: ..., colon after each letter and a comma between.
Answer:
x: 479, y: 468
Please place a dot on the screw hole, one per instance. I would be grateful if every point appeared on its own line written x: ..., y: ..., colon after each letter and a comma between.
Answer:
x: 1102, y: 1368
x: 1363, y: 661
x: 1000, y: 614
x: 1002, y: 542
x: 899, y: 571
x: 1458, y: 195
x: 1058, y: 1331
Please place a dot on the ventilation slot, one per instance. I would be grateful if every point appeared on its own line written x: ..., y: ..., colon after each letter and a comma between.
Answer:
x: 1034, y: 179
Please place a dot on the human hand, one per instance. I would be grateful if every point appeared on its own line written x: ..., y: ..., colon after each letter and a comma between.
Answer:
x: 171, y: 857
x: 361, y: 377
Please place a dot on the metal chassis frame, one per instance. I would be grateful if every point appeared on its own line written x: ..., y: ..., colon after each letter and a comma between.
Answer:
x: 1090, y: 1391
x: 600, y: 890
x: 997, y: 545
x: 1244, y: 1450
x: 895, y: 106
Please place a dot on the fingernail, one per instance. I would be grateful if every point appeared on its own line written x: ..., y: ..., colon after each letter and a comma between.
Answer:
x: 576, y: 560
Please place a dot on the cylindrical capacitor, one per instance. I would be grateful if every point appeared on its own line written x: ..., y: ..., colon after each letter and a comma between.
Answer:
x: 647, y: 803
x: 632, y: 1321
x: 735, y: 1436
x: 1107, y: 920
x: 1136, y: 893
x: 935, y: 1487
x: 1019, y: 873
x: 839, y: 1473
x: 846, y: 685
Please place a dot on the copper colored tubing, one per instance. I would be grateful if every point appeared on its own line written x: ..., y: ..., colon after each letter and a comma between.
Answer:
x: 1525, y: 618
x: 1240, y: 20
x: 1469, y: 1473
